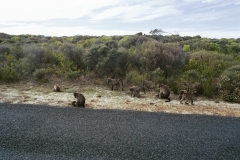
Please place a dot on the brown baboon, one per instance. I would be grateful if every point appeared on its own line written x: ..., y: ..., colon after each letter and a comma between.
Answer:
x: 164, y: 92
x: 56, y: 88
x: 197, y: 88
x: 80, y: 100
x: 115, y: 82
x: 135, y: 90
x: 185, y: 95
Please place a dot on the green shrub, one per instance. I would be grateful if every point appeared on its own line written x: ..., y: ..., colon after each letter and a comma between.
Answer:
x: 8, y: 68
x: 40, y: 75
x: 207, y: 89
x: 135, y: 78
x: 186, y: 48
x: 204, y: 67
x: 8, y: 74
x: 230, y: 84
x: 158, y: 75
x: 174, y: 85
x: 72, y: 74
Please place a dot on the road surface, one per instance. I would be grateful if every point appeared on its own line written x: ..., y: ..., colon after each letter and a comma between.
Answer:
x: 44, y: 132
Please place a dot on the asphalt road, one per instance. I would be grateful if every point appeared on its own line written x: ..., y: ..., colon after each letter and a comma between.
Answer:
x: 43, y: 132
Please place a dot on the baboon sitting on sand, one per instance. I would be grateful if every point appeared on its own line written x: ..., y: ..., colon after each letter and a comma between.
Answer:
x: 56, y: 88
x: 164, y: 92
x: 80, y: 100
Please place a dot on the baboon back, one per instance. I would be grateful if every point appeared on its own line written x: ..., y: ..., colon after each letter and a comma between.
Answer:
x: 115, y: 82
x: 185, y: 95
x: 135, y: 90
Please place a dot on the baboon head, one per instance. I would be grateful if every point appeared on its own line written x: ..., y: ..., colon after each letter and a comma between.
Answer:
x: 181, y: 92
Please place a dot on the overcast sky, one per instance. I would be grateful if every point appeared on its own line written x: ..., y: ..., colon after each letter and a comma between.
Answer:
x: 207, y: 18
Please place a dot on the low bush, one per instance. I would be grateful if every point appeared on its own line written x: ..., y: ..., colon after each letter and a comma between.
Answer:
x: 174, y: 85
x: 8, y: 68
x: 135, y: 78
x: 40, y: 75
x: 72, y: 74
x: 8, y: 74
x: 230, y: 84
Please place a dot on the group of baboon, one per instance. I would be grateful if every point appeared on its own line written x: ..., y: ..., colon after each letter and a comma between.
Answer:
x: 164, y: 92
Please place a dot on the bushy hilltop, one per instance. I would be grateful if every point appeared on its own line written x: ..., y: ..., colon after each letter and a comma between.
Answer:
x: 210, y: 66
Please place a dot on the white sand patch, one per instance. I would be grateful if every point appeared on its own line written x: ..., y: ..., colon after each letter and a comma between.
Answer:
x: 103, y: 98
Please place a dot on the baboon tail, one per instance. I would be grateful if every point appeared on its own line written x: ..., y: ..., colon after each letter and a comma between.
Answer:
x: 168, y: 100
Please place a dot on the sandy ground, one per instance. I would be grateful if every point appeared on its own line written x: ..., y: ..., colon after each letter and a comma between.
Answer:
x: 104, y: 98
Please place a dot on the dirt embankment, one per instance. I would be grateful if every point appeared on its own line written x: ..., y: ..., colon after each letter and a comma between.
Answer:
x: 104, y: 98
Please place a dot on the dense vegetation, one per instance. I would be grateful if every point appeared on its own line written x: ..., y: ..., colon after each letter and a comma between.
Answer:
x: 211, y: 65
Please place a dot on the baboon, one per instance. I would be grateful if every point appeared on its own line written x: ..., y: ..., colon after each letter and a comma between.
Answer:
x: 135, y: 91
x: 80, y: 100
x: 197, y: 88
x: 56, y: 88
x: 164, y: 92
x: 115, y: 82
x: 185, y: 95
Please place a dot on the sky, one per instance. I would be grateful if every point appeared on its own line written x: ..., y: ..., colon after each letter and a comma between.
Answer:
x: 207, y: 18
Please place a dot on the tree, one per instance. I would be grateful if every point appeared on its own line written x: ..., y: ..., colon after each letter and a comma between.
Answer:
x: 156, y: 32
